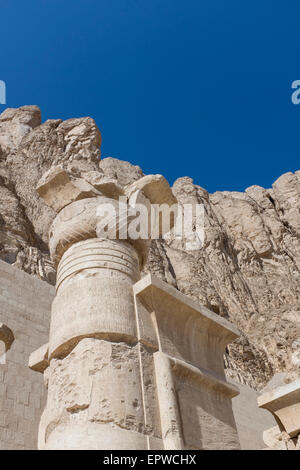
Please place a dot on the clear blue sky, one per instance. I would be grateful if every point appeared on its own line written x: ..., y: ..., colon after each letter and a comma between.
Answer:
x: 198, y: 88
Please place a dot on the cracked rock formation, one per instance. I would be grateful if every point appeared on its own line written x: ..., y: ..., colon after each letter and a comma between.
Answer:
x: 247, y: 270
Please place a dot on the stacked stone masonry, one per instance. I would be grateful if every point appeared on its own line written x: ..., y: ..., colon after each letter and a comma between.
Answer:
x: 25, y: 304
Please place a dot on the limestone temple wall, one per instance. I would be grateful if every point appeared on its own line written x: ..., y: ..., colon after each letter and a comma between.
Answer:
x: 251, y: 421
x: 25, y: 304
x: 25, y: 309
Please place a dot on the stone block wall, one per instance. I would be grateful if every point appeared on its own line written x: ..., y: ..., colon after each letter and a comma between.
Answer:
x: 25, y: 304
x: 251, y: 421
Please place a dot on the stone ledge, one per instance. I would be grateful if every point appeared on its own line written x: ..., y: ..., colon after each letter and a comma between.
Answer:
x: 183, y: 369
x: 146, y: 288
x: 284, y: 404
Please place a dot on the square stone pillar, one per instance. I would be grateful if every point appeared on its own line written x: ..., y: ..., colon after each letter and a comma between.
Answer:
x: 284, y: 404
x: 188, y: 343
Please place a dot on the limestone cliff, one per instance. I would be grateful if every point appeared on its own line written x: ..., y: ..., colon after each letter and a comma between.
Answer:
x: 247, y: 270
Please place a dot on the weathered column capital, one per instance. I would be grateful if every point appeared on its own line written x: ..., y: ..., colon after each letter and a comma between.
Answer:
x: 284, y: 404
x: 78, y: 203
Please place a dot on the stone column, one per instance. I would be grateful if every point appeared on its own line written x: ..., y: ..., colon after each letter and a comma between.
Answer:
x: 94, y: 390
x: 130, y: 364
x: 92, y: 362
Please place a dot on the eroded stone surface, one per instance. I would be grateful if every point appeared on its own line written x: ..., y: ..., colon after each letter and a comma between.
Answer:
x: 6, y: 335
x: 284, y: 403
x: 80, y: 387
x: 58, y: 190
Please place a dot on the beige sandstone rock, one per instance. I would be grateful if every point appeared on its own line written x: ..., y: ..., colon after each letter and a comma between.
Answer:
x: 106, y: 185
x: 123, y: 172
x: 15, y: 124
x: 27, y: 150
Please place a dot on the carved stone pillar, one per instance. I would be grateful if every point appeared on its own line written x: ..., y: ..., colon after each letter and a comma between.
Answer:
x: 95, y: 396
x: 92, y: 362
x: 130, y: 364
x: 188, y: 343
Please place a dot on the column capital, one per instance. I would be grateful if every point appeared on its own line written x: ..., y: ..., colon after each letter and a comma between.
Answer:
x: 284, y: 404
x: 77, y: 202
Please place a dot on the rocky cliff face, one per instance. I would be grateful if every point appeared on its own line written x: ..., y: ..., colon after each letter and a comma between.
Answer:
x: 248, y: 270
